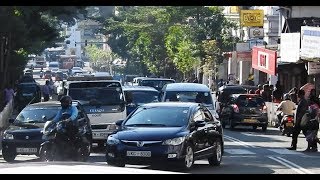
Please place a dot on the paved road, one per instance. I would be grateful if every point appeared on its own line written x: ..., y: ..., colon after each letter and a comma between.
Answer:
x: 247, y: 151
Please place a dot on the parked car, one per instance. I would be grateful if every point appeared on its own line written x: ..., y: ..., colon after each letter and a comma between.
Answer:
x: 139, y: 95
x: 166, y: 132
x: 156, y: 83
x: 245, y: 109
x: 24, y: 135
x: 189, y: 92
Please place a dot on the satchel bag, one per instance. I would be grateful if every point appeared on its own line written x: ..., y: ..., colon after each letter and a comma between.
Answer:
x: 304, y: 120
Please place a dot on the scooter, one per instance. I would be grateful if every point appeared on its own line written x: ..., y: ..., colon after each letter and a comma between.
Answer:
x: 287, y: 124
x: 59, y: 145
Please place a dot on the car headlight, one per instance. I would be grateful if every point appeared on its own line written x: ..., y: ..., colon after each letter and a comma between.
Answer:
x: 174, y: 141
x: 112, y: 141
x: 8, y: 136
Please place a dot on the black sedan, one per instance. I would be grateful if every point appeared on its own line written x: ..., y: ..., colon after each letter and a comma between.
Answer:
x: 167, y: 132
x: 245, y: 109
x: 24, y: 135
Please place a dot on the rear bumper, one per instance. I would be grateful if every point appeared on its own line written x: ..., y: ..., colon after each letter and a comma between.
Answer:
x: 248, y: 120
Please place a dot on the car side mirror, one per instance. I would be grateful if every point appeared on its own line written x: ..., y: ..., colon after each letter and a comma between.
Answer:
x: 11, y: 120
x: 119, y: 122
x: 200, y: 123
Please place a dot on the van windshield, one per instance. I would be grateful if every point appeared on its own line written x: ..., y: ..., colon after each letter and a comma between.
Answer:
x: 189, y: 96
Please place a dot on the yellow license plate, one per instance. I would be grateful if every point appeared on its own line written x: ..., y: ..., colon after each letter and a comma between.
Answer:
x: 250, y: 120
x: 289, y: 124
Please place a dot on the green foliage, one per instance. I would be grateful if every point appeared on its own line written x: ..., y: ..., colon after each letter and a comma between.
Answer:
x: 98, y: 56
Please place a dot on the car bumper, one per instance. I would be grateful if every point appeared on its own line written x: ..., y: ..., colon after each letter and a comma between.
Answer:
x: 160, y: 154
x: 12, y: 145
x: 250, y: 120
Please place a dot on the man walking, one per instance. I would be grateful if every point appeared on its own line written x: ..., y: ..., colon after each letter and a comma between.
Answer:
x: 8, y: 94
x: 46, y: 91
x: 301, y: 110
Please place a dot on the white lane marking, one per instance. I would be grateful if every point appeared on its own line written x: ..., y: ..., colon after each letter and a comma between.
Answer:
x: 242, y: 142
x: 295, y: 165
x: 237, y: 142
x: 238, y: 151
x: 285, y: 151
x: 291, y: 165
x: 287, y: 165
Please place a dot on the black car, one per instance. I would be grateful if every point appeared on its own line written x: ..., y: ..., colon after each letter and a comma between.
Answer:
x: 139, y: 95
x: 27, y: 93
x: 167, y: 132
x: 245, y: 109
x: 24, y: 135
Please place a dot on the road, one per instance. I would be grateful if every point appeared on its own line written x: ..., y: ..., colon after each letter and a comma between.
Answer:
x: 247, y: 151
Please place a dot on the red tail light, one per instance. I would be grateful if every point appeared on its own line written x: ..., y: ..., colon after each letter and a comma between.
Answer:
x: 289, y: 119
x: 235, y: 108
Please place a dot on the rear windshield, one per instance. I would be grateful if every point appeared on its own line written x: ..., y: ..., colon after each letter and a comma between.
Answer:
x: 247, y: 101
x: 189, y: 96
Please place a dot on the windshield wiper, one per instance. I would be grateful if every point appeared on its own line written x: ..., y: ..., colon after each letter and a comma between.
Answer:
x: 135, y: 125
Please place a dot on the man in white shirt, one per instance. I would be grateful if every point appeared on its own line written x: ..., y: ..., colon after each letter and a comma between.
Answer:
x: 287, y: 107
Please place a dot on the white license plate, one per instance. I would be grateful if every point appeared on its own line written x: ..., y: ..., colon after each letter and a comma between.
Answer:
x: 139, y: 153
x: 27, y: 150
x: 99, y: 135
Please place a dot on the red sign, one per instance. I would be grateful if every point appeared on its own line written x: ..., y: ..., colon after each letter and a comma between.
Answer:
x: 244, y: 56
x: 264, y: 60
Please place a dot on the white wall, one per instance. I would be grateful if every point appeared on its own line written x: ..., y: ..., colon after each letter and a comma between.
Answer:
x: 305, y: 11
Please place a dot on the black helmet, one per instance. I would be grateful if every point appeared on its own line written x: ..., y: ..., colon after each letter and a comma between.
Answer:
x: 66, y: 101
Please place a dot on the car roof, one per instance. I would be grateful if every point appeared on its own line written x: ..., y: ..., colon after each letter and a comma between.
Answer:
x: 157, y: 79
x: 52, y: 103
x: 186, y: 87
x: 171, y: 104
x: 138, y: 88
x: 231, y: 87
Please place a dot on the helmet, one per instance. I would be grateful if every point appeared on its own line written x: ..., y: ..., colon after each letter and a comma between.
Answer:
x: 66, y: 101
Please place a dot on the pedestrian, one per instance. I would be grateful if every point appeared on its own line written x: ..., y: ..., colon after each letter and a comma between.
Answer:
x: 258, y: 91
x: 277, y: 94
x: 312, y: 126
x: 301, y: 110
x: 294, y: 94
x: 46, y: 91
x: 266, y: 93
x: 8, y: 94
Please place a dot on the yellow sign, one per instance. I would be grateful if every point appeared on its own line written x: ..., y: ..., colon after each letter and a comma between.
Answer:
x: 251, y: 18
x: 234, y: 9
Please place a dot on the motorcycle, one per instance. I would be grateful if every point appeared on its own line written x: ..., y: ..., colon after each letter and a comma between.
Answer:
x: 59, y: 142
x: 287, y: 124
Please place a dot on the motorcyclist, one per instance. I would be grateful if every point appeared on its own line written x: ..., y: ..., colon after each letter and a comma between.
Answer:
x: 286, y: 107
x: 66, y: 104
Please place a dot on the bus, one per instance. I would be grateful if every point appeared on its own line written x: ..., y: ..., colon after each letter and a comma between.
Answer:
x: 103, y: 100
x: 67, y: 61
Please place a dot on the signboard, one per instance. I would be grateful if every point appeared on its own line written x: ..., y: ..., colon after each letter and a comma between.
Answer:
x: 256, y: 33
x: 313, y: 68
x: 264, y: 60
x: 290, y: 47
x: 255, y: 42
x: 242, y: 47
x: 234, y: 9
x: 310, y: 42
x: 251, y: 18
x: 244, y: 56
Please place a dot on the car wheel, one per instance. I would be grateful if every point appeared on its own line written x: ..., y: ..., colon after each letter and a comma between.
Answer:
x: 47, y: 153
x: 8, y: 155
x: 264, y: 128
x: 188, y: 159
x: 215, y: 160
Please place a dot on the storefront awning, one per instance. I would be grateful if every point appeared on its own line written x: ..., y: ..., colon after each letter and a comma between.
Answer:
x: 292, y: 25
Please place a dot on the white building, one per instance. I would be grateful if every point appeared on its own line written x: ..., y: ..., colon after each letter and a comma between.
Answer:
x: 74, y: 48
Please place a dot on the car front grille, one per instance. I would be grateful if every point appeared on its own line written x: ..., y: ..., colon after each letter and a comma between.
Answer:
x: 141, y: 143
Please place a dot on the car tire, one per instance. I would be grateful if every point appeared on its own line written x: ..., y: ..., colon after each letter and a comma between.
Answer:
x: 117, y: 164
x: 188, y: 160
x: 264, y: 128
x: 216, y: 159
x: 8, y: 156
x: 46, y: 153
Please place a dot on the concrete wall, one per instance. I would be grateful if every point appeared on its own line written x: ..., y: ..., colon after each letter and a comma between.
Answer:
x: 305, y: 11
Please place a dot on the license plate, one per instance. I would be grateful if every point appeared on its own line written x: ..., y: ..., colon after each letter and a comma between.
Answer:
x: 99, y: 135
x: 289, y: 124
x: 250, y: 120
x: 27, y: 150
x: 139, y: 153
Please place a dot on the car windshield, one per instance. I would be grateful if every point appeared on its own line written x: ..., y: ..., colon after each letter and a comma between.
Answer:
x: 27, y: 89
x: 247, y: 101
x: 159, y: 116
x: 157, y: 84
x: 97, y: 95
x: 187, y: 96
x: 142, y: 97
x: 37, y: 114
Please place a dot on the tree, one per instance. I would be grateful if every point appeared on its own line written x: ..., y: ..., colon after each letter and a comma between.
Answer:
x: 99, y: 57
